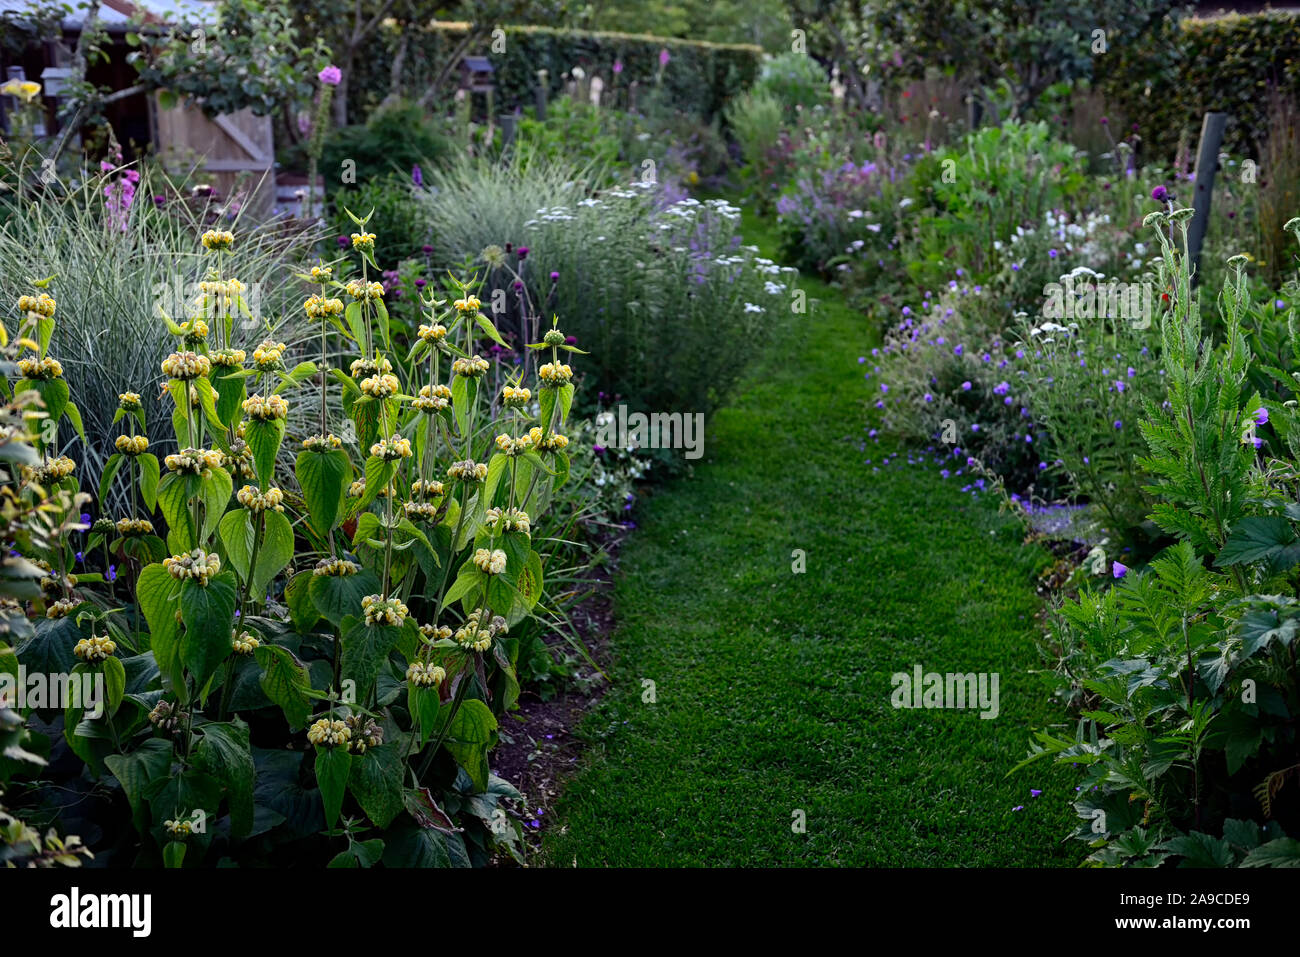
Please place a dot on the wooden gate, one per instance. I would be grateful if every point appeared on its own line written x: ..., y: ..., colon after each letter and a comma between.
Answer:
x: 235, y: 154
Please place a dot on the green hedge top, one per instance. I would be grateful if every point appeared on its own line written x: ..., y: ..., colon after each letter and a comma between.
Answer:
x: 1231, y: 62
x: 1227, y: 63
x: 699, y: 77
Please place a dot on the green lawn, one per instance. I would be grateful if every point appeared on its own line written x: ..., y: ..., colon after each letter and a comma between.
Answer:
x: 773, y: 688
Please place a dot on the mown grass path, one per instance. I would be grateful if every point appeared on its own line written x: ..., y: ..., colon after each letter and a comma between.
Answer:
x: 773, y: 688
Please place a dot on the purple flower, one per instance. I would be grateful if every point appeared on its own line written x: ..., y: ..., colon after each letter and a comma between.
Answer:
x: 426, y: 249
x: 112, y: 573
x: 344, y: 242
x: 1052, y: 253
x: 330, y: 76
x: 618, y: 67
x: 555, y: 277
x: 1119, y: 423
x: 958, y: 350
x: 598, y: 449
x: 523, y: 252
x: 1034, y: 792
x: 1118, y: 569
x: 664, y: 57
x: 417, y: 177
x: 1160, y: 194
x: 1261, y: 418
x: 965, y: 386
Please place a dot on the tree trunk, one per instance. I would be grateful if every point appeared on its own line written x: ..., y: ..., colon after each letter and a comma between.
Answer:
x: 399, y: 62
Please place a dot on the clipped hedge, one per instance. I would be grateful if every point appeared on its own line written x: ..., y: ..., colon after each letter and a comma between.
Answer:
x: 1185, y: 69
x: 700, y: 77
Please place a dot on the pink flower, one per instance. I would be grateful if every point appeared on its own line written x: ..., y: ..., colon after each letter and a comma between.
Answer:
x: 330, y: 76
x: 664, y: 57
x: 618, y: 66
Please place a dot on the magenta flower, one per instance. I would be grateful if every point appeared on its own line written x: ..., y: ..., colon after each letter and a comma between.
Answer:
x: 618, y: 67
x: 664, y: 57
x: 1160, y: 194
x: 330, y: 76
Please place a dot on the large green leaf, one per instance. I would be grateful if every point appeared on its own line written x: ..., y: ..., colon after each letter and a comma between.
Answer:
x: 231, y: 392
x: 54, y: 394
x: 376, y: 782
x: 365, y: 647
x: 236, y: 532
x: 156, y: 593
x: 336, y: 597
x: 297, y: 595
x: 379, y: 473
x: 324, y: 479
x: 224, y: 752
x: 1283, y: 852
x: 208, y: 612
x: 409, y: 846
x: 110, y: 471
x: 135, y: 769
x: 1256, y: 537
x: 174, y: 494
x: 425, y: 706
x: 149, y: 476
x: 332, y: 768
x: 473, y: 732
x: 275, y: 552
x: 285, y: 682
x: 264, y: 438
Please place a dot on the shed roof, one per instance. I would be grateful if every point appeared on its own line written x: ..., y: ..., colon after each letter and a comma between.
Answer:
x: 117, y: 14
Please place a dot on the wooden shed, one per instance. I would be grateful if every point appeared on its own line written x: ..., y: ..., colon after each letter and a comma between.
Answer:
x: 234, y: 154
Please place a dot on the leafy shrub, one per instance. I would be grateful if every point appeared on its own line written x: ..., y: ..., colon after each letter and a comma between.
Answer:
x: 625, y: 265
x: 985, y: 187
x: 572, y: 132
x: 756, y: 121
x: 828, y: 213
x: 311, y: 666
x: 1186, y: 673
x: 393, y: 140
x: 393, y: 207
x: 796, y: 80
x: 1088, y: 383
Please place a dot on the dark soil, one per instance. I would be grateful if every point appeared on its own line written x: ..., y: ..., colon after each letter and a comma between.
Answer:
x: 539, y: 750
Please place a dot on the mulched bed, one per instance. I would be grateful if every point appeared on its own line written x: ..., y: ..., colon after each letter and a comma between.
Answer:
x: 539, y: 749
